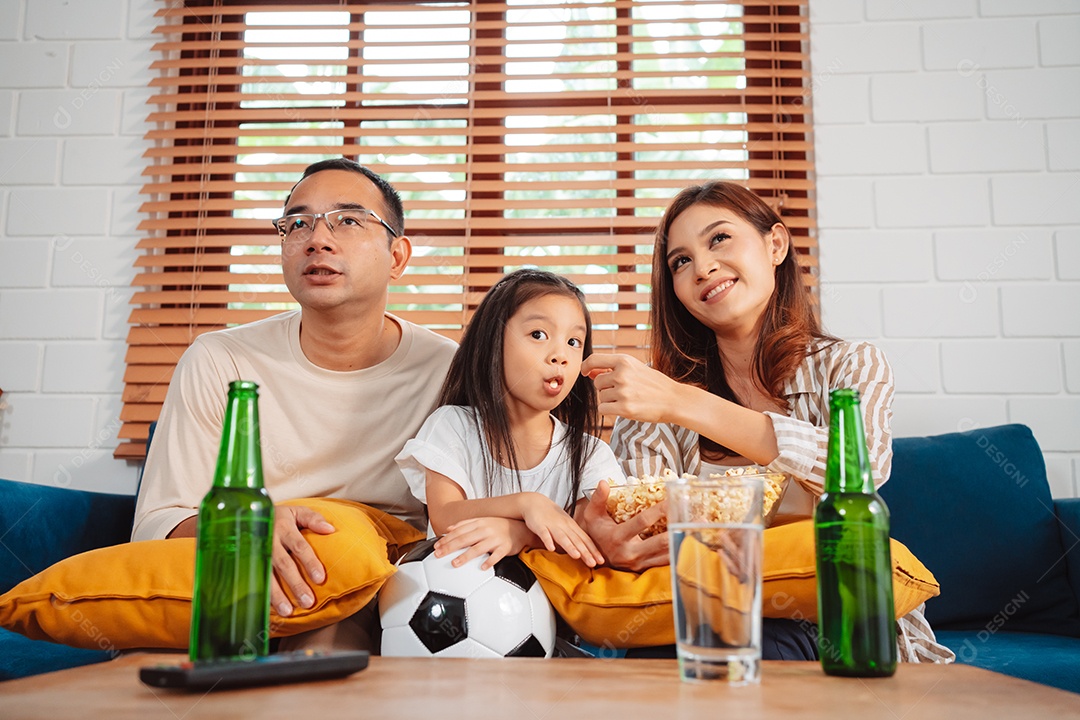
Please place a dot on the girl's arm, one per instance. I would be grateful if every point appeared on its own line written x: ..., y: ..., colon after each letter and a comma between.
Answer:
x: 503, y: 525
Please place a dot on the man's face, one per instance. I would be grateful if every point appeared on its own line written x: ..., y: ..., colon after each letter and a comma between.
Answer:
x: 331, y: 269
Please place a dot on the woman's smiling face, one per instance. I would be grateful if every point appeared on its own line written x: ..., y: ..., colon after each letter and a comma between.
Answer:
x: 723, y: 270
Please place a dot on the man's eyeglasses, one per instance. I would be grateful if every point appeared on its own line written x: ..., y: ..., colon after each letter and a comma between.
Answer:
x: 344, y: 223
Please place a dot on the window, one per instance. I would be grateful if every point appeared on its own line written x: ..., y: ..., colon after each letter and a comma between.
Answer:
x: 522, y: 132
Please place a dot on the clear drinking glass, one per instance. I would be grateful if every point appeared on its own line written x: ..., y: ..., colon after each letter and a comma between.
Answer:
x: 716, y: 528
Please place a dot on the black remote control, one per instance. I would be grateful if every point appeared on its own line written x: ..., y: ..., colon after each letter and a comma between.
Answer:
x: 296, y: 666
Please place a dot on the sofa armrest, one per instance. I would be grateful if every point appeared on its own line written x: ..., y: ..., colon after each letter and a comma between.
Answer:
x: 1068, y: 515
x: 41, y: 525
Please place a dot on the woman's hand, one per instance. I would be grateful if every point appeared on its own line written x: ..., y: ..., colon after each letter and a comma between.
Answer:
x: 631, y: 389
x: 554, y: 527
x: 495, y: 536
x: 619, y: 541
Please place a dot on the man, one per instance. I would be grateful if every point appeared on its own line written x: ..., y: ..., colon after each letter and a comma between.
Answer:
x: 342, y: 384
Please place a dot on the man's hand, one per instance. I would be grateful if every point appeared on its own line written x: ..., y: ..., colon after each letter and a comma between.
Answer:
x: 496, y: 536
x: 619, y: 541
x: 292, y: 553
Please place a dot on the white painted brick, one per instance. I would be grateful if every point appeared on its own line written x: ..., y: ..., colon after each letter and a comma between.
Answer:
x: 21, y: 363
x: 979, y: 42
x: 53, y: 211
x: 117, y: 312
x: 112, y: 64
x: 50, y: 314
x: 845, y: 202
x: 84, y: 367
x: 10, y: 24
x: 1067, y: 244
x: 1043, y: 310
x: 1063, y: 144
x: 1001, y: 366
x: 1001, y: 146
x: 68, y: 112
x: 7, y: 111
x: 990, y: 8
x: 67, y: 20
x: 875, y: 255
x: 133, y: 121
x: 24, y: 263
x: 1071, y: 349
x: 840, y: 99
x: 94, y: 262
x: 833, y: 11
x: 992, y: 254
x: 103, y: 161
x: 915, y: 363
x: 141, y: 20
x: 931, y: 202
x: 917, y: 415
x: 1058, y: 41
x: 14, y: 465
x: 125, y: 210
x: 1060, y: 476
x: 939, y: 311
x: 29, y: 161
x: 40, y: 65
x: 871, y: 149
x: 867, y: 47
x: 918, y: 9
x: 852, y: 312
x: 1053, y: 420
x: 1045, y: 199
x: 46, y: 421
x: 1024, y: 95
x: 924, y: 97
x: 85, y: 469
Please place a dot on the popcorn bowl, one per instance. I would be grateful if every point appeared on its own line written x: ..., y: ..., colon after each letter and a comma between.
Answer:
x: 628, y: 499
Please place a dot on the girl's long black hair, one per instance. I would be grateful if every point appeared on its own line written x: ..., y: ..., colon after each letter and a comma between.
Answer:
x: 477, y: 380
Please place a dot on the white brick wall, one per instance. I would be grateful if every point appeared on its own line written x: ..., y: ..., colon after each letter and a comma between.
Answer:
x: 965, y: 266
x: 73, y: 79
x: 948, y: 155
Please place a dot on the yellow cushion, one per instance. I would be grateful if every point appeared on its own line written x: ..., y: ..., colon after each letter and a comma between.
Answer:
x: 138, y: 595
x: 616, y: 608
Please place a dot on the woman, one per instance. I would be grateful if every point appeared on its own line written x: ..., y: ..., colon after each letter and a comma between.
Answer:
x: 740, y: 373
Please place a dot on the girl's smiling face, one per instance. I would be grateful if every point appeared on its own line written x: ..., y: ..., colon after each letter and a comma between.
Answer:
x: 543, y: 346
x: 722, y: 269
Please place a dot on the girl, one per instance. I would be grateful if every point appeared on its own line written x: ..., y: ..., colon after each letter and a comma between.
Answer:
x: 741, y: 372
x: 508, y: 456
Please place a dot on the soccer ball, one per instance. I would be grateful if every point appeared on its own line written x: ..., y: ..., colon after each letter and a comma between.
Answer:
x: 429, y: 608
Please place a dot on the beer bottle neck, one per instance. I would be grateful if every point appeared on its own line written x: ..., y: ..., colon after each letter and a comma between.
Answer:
x: 240, y: 457
x: 847, y: 468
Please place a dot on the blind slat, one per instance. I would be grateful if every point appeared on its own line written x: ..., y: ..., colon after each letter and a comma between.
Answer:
x: 550, y: 134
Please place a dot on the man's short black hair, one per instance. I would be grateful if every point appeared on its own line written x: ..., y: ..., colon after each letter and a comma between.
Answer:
x: 395, y: 214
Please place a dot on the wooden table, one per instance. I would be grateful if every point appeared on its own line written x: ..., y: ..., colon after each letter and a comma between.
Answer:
x: 528, y: 689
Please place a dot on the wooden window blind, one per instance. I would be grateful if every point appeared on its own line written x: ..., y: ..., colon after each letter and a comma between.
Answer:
x: 521, y: 132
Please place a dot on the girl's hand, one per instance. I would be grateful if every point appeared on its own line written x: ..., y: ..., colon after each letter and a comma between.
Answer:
x: 631, y: 389
x: 495, y: 536
x: 554, y: 527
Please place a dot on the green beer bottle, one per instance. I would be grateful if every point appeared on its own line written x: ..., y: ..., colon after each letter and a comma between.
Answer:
x: 230, y: 613
x: 856, y: 616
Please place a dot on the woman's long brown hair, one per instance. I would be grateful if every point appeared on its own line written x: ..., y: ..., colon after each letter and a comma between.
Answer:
x: 684, y: 349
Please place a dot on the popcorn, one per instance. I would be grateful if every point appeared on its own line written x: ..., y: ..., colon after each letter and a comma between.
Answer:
x: 626, y: 501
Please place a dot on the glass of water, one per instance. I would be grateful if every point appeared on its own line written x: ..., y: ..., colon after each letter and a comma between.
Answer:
x: 716, y: 554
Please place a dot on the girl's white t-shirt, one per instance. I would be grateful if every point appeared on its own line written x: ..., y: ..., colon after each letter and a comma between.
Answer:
x: 449, y: 443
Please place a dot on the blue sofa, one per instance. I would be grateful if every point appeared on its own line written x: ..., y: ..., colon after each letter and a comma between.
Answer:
x: 974, y: 507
